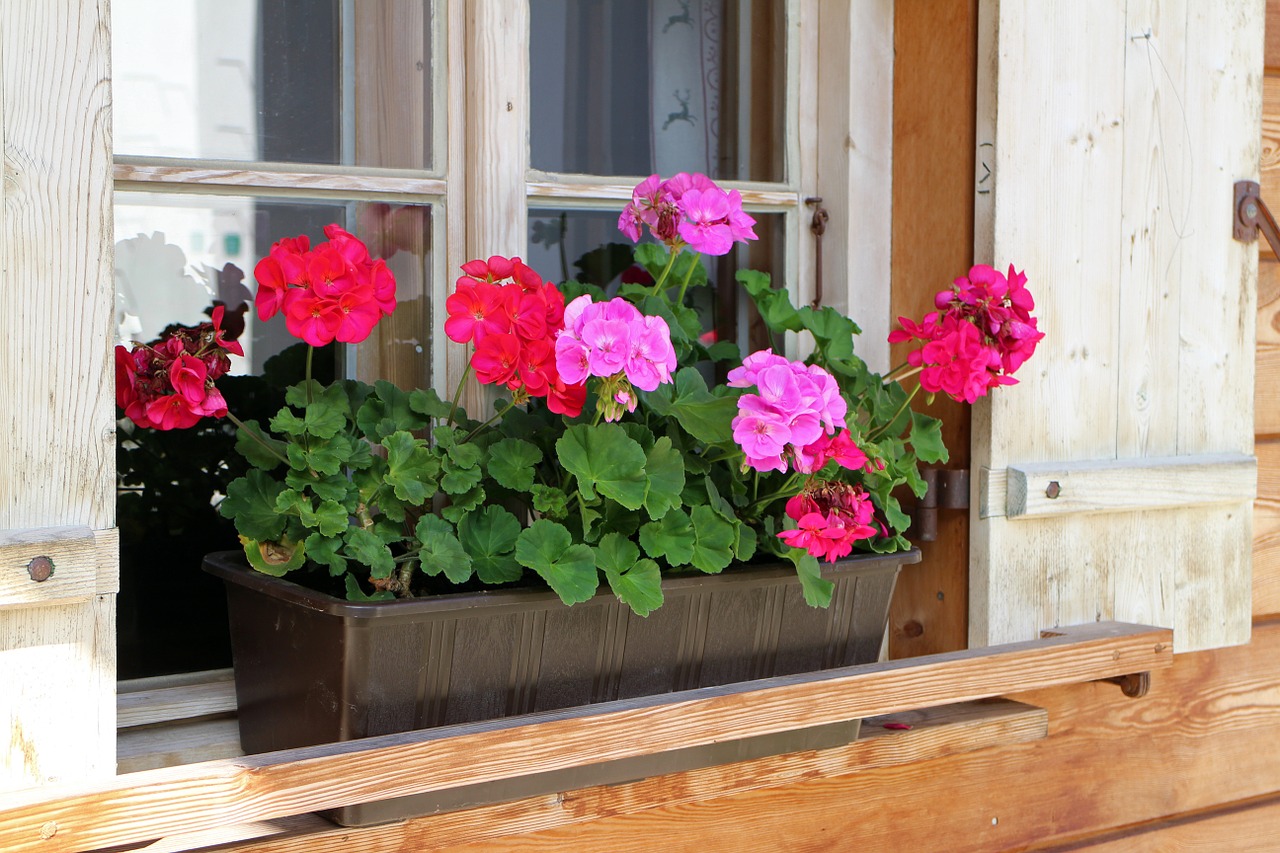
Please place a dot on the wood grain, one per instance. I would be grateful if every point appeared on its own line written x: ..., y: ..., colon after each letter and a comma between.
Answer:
x: 938, y: 732
x: 58, y: 444
x: 166, y: 704
x: 1266, y: 531
x: 152, y: 747
x: 549, y: 188
x: 85, y: 564
x: 200, y: 796
x: 1266, y: 394
x: 1147, y: 306
x: 131, y: 173
x: 1203, y: 736
x: 934, y: 83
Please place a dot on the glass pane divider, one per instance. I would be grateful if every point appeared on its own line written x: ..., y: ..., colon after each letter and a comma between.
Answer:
x: 214, y: 180
x: 579, y: 191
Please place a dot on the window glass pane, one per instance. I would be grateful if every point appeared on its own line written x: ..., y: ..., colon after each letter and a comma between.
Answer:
x: 586, y: 245
x: 175, y: 256
x: 659, y: 86
x: 297, y: 81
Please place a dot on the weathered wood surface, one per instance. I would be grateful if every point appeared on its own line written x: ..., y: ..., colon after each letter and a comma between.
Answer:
x: 1203, y: 737
x: 136, y: 175
x: 934, y: 77
x: 1266, y: 531
x: 58, y: 444
x: 1045, y: 489
x: 933, y: 733
x: 156, y: 746
x: 1147, y: 303
x: 216, y: 695
x: 197, y: 797
x: 84, y: 563
x: 1253, y: 826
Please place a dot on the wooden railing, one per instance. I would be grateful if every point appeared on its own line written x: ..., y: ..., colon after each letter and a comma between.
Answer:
x: 206, y: 797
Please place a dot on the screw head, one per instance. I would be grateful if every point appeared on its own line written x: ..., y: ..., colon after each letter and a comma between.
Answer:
x: 40, y: 569
x: 1053, y: 490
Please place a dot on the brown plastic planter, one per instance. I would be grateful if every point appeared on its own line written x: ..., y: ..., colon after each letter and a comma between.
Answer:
x: 310, y: 668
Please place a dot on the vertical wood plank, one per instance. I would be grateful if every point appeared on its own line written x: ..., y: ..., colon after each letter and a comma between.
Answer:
x: 935, y: 50
x: 57, y: 705
x: 1119, y: 131
x: 855, y: 162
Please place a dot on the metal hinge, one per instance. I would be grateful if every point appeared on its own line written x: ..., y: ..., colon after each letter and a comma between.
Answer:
x: 946, y: 488
x: 1252, y: 215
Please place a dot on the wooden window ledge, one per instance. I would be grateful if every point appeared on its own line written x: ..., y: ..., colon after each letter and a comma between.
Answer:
x: 237, y: 799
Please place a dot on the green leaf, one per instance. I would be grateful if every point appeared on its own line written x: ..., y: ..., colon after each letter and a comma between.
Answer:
x: 388, y: 411
x: 653, y: 257
x: 461, y: 504
x: 464, y: 455
x: 252, y: 448
x: 332, y: 518
x: 369, y: 550
x: 816, y: 589
x: 707, y: 417
x: 325, y: 457
x: 671, y: 537
x: 744, y: 546
x: 603, y: 457
x: 326, y: 551
x: 355, y: 593
x: 637, y: 582
x: 411, y: 468
x: 427, y: 402
x: 550, y: 501
x: 664, y: 467
x: 334, y: 487
x: 832, y: 331
x: 713, y: 542
x: 251, y: 503
x: 773, y: 304
x: 441, y: 550
x: 458, y: 480
x: 926, y: 438
x: 511, y: 463
x: 325, y: 415
x: 489, y: 536
x: 568, y: 568
x: 272, y: 558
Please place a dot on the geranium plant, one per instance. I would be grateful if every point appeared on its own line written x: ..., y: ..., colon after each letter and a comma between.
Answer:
x: 612, y: 452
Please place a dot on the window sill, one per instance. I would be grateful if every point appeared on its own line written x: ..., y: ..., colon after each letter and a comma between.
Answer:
x: 213, y: 795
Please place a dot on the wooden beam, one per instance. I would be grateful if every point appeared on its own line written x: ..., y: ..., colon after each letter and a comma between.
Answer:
x: 1248, y: 826
x: 166, y: 704
x: 162, y: 802
x: 81, y: 563
x: 1119, y: 485
x: 934, y: 733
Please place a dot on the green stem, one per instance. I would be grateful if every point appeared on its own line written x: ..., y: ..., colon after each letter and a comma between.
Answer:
x: 311, y: 351
x: 495, y: 416
x: 671, y: 262
x: 874, y: 434
x: 894, y: 376
x: 684, y: 285
x: 453, y: 410
x: 257, y: 437
x: 787, y: 491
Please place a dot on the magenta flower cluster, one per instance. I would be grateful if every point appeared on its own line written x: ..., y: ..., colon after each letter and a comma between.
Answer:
x: 795, y: 407
x: 687, y: 209
x: 615, y: 342
x: 981, y: 333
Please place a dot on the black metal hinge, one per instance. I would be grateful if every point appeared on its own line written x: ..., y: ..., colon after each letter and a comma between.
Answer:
x: 947, y: 488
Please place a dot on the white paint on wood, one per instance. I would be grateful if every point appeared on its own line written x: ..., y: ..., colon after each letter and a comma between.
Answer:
x: 1117, y: 133
x: 57, y: 707
x: 1117, y: 485
x: 237, y: 178
x: 855, y: 165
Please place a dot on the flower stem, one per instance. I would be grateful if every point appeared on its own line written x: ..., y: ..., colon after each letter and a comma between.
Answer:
x: 684, y: 285
x: 257, y: 437
x: 311, y: 351
x: 495, y: 416
x: 453, y: 410
x: 787, y: 491
x: 874, y: 434
x: 671, y: 262
x: 895, y: 376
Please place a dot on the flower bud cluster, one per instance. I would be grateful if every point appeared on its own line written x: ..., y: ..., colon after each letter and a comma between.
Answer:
x: 687, y: 209
x: 981, y: 333
x: 333, y: 292
x: 615, y: 342
x: 830, y: 517
x: 169, y: 383
x: 512, y: 316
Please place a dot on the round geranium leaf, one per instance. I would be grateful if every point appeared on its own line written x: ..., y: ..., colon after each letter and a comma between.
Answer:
x: 604, y: 458
x: 511, y: 462
x: 489, y: 537
x: 569, y: 569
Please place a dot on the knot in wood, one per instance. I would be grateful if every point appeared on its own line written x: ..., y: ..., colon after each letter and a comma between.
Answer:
x: 40, y: 569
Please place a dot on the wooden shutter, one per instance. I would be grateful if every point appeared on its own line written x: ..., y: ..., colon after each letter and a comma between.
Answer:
x: 1112, y: 134
x: 57, y: 477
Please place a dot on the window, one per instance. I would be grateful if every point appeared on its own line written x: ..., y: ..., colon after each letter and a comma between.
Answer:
x: 438, y: 131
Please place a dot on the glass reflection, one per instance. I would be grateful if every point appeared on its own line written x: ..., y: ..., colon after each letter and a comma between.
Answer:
x: 659, y: 86
x: 295, y: 81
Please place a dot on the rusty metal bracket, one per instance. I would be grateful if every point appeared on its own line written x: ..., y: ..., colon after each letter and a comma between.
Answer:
x: 1134, y: 685
x: 1252, y: 216
x: 818, y: 226
x: 946, y: 488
